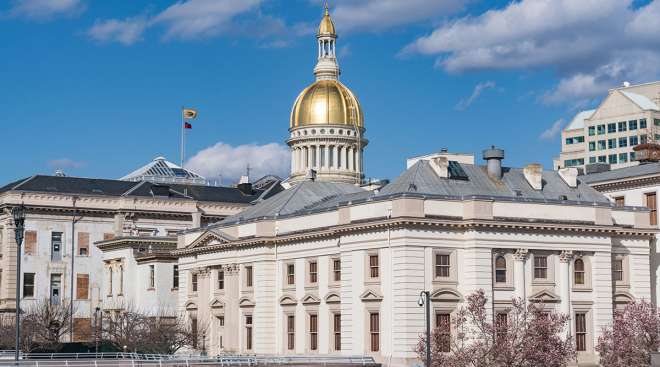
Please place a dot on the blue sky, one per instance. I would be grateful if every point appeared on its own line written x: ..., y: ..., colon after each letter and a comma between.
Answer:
x: 94, y: 87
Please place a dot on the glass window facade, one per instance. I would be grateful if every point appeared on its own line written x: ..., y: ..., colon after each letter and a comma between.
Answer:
x: 611, y: 128
x: 623, y: 142
x: 623, y: 126
x: 632, y: 125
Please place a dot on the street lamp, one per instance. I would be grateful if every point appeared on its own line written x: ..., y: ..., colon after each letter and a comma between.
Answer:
x: 424, y: 300
x: 96, y: 328
x: 18, y: 214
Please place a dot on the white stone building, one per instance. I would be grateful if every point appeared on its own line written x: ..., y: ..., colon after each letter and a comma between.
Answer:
x: 628, y: 116
x: 67, y: 215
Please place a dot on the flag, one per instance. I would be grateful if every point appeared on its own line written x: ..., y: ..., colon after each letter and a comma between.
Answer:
x: 187, y: 125
x: 189, y: 113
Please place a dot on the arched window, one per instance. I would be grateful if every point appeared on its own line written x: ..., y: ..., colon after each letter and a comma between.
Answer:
x: 578, y: 269
x: 110, y: 281
x: 500, y: 269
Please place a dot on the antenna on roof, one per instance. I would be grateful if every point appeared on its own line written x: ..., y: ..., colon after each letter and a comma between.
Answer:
x: 247, y: 173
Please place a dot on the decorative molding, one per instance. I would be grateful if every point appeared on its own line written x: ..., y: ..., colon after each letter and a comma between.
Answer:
x: 191, y: 306
x: 544, y: 296
x: 287, y: 300
x: 566, y: 256
x: 371, y: 296
x: 216, y: 303
x: 622, y: 297
x: 246, y: 302
x: 520, y: 254
x: 446, y: 295
x: 310, y: 299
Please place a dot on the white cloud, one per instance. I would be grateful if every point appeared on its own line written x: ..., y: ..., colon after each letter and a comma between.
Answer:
x: 552, y: 131
x: 63, y: 163
x: 188, y: 19
x: 592, y: 45
x: 378, y: 15
x: 45, y: 9
x: 464, y: 103
x: 126, y: 32
x: 230, y: 162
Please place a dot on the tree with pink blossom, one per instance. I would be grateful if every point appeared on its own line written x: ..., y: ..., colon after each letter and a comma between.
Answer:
x: 527, y: 336
x: 632, y: 337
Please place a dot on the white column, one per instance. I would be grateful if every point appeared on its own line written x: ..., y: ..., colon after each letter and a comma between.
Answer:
x: 293, y: 160
x: 335, y: 156
x: 309, y: 158
x: 318, y: 157
x: 327, y: 156
x: 565, y: 282
x: 349, y: 156
x: 519, y: 259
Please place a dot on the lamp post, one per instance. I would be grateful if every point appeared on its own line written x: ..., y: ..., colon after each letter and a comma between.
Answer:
x: 18, y: 214
x: 425, y: 300
x: 96, y: 330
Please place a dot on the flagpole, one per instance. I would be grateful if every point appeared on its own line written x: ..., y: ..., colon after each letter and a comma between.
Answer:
x: 183, y: 134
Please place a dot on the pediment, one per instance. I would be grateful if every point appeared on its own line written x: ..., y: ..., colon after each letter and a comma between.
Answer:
x: 246, y: 302
x: 545, y: 296
x: 371, y: 296
x: 191, y: 306
x: 446, y: 295
x: 623, y: 297
x: 287, y: 300
x: 332, y: 297
x: 210, y: 236
x: 310, y: 299
x: 216, y: 303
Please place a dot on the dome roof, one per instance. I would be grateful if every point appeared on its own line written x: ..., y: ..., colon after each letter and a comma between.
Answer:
x: 326, y: 102
x: 327, y: 27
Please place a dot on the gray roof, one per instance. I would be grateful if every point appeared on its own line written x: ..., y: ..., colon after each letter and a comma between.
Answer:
x: 422, y: 179
x: 103, y: 187
x: 470, y: 181
x: 646, y: 169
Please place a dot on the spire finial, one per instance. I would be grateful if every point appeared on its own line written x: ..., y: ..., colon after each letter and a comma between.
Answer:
x: 325, y: 6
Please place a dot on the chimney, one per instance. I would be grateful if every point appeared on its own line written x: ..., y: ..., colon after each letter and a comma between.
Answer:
x: 311, y: 175
x: 243, y: 179
x: 534, y: 175
x: 440, y: 166
x: 569, y: 175
x: 493, y: 157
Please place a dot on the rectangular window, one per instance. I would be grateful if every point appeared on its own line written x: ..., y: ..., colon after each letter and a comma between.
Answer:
x: 336, y: 327
x: 313, y: 272
x: 442, y: 266
x: 221, y: 280
x: 83, y: 243
x: 642, y: 123
x: 82, y: 286
x: 622, y: 126
x: 28, y: 285
x: 602, y: 144
x: 592, y: 130
x: 632, y: 125
x: 373, y: 266
x: 592, y: 159
x: 443, y: 323
x: 643, y: 139
x: 152, y: 276
x: 578, y: 139
x: 633, y: 140
x: 248, y: 276
x: 592, y: 146
x: 611, y: 143
x: 291, y: 332
x: 651, y: 203
x: 30, y: 243
x: 248, y: 332
x: 602, y: 159
x: 501, y: 321
x: 336, y: 270
x: 56, y: 246
x: 313, y: 332
x: 619, y: 201
x: 623, y: 157
x: 175, y: 277
x: 580, y: 332
x: 374, y: 331
x: 612, y: 158
x: 193, y: 331
x: 55, y: 289
x: 108, y: 236
x: 601, y: 129
x: 569, y: 141
x: 617, y: 270
x: 611, y: 128
x: 623, y: 142
x: 290, y: 274
x: 540, y: 267
x: 194, y: 282
x: 656, y: 122
x: 632, y: 156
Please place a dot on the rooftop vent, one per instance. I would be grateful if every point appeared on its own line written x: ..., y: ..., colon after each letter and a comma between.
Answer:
x: 440, y: 166
x: 596, y: 168
x: 534, y: 175
x: 60, y: 173
x: 493, y: 158
x: 569, y: 175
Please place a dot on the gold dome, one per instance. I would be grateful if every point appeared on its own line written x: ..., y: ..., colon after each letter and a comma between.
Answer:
x: 327, y: 27
x: 326, y: 102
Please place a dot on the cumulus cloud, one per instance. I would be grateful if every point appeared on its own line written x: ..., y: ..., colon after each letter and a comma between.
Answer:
x: 379, y: 15
x: 63, y: 163
x: 184, y: 20
x: 45, y: 9
x: 591, y: 44
x: 230, y: 162
x: 464, y: 103
x: 552, y: 131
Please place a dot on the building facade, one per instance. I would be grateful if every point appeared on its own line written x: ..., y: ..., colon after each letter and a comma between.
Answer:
x: 66, y: 216
x: 628, y: 116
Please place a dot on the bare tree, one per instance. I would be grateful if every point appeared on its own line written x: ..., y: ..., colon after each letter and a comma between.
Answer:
x: 47, y: 322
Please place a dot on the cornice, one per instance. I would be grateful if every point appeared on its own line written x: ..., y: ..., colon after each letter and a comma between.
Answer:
x: 136, y: 242
x: 626, y: 183
x: 410, y: 222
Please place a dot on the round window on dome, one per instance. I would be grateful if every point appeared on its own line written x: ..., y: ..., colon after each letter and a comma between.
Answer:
x: 305, y: 132
x: 322, y: 131
x: 341, y: 132
x: 313, y: 131
x: 332, y: 131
